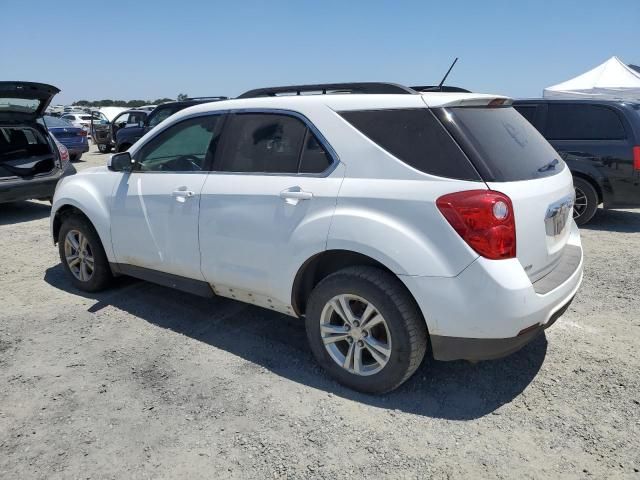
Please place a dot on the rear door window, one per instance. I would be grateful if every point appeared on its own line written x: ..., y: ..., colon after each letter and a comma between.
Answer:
x: 503, y: 146
x: 314, y: 157
x: 415, y: 137
x: 583, y: 122
x: 270, y: 143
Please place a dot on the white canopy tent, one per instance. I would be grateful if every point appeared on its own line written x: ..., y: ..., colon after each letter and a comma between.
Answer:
x: 613, y: 80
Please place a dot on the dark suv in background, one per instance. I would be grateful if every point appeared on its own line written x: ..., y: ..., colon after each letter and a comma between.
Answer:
x: 125, y: 137
x: 600, y: 142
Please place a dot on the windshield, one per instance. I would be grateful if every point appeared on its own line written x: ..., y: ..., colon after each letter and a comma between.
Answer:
x: 25, y: 105
x: 161, y: 115
x: 501, y: 143
x: 53, y: 122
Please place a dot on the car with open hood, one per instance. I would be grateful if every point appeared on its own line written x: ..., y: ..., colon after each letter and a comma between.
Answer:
x: 31, y: 160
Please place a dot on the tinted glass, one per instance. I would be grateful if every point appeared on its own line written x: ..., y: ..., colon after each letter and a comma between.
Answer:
x: 528, y: 112
x: 23, y: 105
x: 416, y: 137
x: 583, y: 122
x: 54, y: 122
x: 262, y: 143
x: 314, y: 158
x: 184, y: 147
x: 161, y: 115
x: 501, y: 143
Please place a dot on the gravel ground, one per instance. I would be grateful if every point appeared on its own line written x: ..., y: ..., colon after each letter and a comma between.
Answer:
x: 145, y: 382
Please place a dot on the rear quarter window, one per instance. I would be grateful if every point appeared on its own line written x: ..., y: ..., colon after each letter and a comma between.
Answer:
x: 583, y: 122
x: 417, y: 138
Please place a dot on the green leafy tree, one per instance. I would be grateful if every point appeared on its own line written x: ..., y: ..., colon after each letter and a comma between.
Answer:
x: 182, y: 97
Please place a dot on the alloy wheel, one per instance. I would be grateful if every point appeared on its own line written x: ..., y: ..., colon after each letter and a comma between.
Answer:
x: 78, y: 255
x: 580, y: 205
x: 355, y: 334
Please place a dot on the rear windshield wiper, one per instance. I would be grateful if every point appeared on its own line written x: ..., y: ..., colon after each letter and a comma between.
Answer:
x: 549, y: 166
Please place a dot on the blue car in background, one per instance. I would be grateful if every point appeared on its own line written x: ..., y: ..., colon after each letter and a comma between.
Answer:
x: 74, y: 138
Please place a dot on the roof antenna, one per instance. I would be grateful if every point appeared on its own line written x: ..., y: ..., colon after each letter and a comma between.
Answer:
x: 446, y: 75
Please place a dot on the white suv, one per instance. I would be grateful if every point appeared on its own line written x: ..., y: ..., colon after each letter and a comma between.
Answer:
x: 394, y: 221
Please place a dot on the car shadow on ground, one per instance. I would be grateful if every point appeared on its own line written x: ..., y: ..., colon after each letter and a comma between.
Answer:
x: 20, y: 212
x: 451, y: 390
x: 622, y: 221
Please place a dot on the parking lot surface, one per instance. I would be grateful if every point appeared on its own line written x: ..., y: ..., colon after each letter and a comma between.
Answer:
x: 145, y: 382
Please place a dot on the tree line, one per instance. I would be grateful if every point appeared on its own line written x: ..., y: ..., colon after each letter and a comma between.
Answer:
x: 126, y: 103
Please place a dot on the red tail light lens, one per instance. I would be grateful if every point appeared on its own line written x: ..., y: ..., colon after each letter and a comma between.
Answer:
x: 82, y: 133
x: 64, y: 153
x: 484, y: 219
x: 636, y: 158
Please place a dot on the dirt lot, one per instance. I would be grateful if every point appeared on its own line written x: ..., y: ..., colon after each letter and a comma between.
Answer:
x: 145, y: 382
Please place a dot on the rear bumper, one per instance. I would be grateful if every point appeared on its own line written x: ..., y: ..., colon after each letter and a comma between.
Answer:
x: 456, y: 348
x: 492, y: 309
x: 41, y: 187
x: 77, y: 149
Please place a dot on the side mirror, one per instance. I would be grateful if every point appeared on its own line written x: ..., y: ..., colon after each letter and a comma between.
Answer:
x: 120, y: 162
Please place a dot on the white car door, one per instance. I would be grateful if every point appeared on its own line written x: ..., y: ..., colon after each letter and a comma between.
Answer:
x: 154, y: 212
x: 261, y: 218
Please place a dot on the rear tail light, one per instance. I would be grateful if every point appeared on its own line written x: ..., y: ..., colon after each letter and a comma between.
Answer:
x: 82, y: 133
x: 484, y: 219
x: 636, y: 158
x: 64, y: 153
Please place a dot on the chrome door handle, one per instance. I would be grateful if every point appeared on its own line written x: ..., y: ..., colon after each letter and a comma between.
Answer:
x: 182, y: 193
x: 291, y: 194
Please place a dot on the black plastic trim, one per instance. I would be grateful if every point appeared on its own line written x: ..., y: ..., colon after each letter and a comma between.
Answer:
x: 476, y: 349
x: 361, y: 87
x: 189, y: 285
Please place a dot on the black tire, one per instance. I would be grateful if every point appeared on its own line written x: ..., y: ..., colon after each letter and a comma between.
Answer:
x: 586, y: 201
x: 101, y: 276
x: 103, y: 148
x: 405, y: 323
x: 124, y: 147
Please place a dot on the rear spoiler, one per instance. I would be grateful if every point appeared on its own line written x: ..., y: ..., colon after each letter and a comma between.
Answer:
x: 437, y: 99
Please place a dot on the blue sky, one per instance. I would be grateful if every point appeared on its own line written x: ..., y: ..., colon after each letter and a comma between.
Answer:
x: 145, y: 50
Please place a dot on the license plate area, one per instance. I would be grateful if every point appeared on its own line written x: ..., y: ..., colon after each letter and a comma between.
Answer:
x: 558, y: 216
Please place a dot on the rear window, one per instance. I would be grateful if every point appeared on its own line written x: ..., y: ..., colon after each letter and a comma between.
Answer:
x: 56, y: 122
x: 528, y: 112
x: 416, y: 137
x: 502, y: 144
x: 23, y: 105
x: 583, y: 122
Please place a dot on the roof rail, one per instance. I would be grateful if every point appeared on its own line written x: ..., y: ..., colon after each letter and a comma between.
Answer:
x: 436, y: 88
x: 324, y: 88
x: 207, y: 98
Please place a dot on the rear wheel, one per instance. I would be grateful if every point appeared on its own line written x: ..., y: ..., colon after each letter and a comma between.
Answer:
x: 365, y: 329
x: 586, y: 203
x: 103, y: 148
x: 82, y: 255
x: 124, y: 147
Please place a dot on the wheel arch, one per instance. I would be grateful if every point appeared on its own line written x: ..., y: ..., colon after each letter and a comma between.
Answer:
x: 86, y: 201
x: 322, y: 264
x: 594, y: 183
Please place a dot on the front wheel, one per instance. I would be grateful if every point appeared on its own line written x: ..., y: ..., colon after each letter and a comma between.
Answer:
x: 586, y: 203
x: 82, y: 255
x: 365, y: 329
